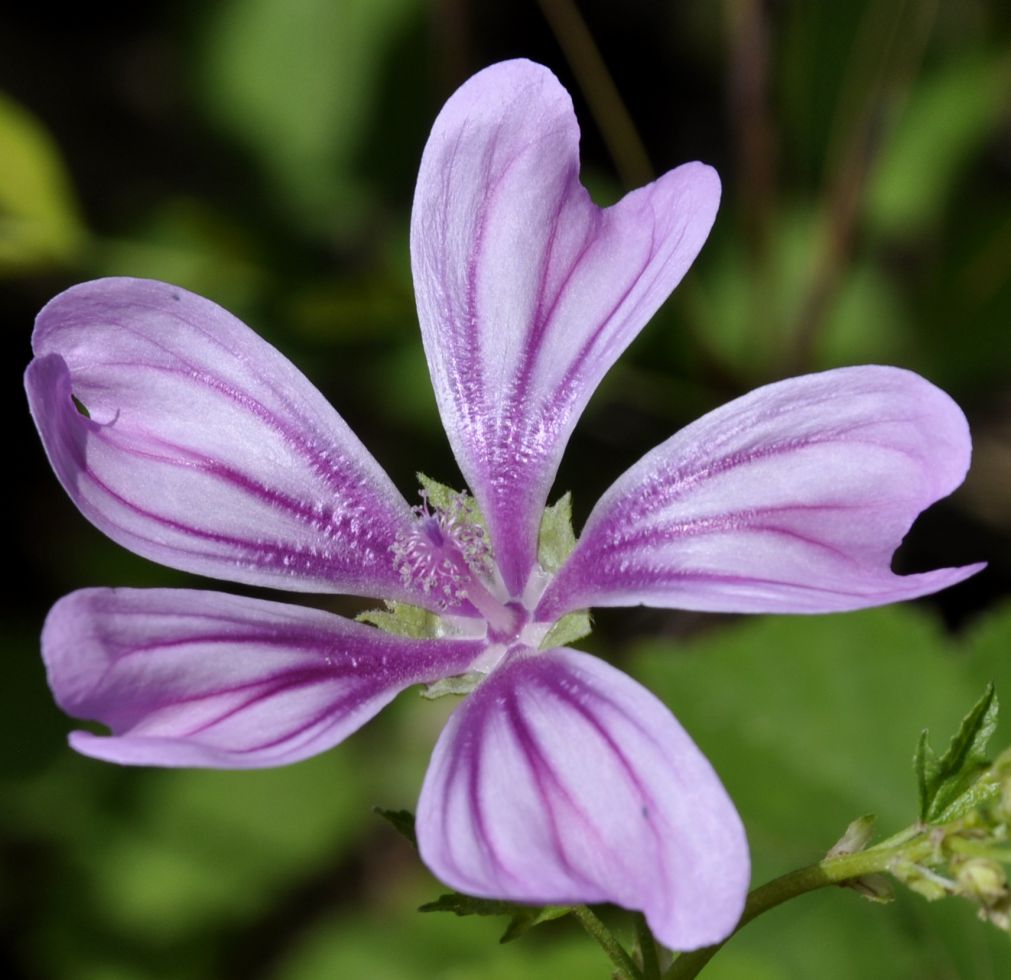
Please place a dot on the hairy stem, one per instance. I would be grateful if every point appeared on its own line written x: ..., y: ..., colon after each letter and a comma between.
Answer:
x: 647, y: 948
x: 625, y: 968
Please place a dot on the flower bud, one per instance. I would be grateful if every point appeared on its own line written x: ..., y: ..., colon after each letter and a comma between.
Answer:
x: 983, y: 880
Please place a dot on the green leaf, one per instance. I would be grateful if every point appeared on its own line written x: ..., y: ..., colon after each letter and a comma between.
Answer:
x: 948, y: 119
x: 402, y: 822
x: 808, y: 720
x: 296, y: 82
x: 403, y: 619
x: 556, y: 538
x: 944, y: 784
x: 39, y: 219
x: 523, y: 917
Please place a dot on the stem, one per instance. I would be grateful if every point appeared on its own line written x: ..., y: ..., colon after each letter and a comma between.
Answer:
x: 647, y: 948
x: 831, y: 871
x: 612, y: 118
x: 626, y: 969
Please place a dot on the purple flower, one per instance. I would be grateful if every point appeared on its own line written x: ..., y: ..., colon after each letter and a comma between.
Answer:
x: 559, y: 779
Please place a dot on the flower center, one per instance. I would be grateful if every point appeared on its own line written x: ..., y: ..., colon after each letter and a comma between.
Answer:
x: 447, y: 553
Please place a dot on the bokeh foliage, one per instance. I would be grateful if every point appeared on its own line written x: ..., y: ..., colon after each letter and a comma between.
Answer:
x: 263, y: 152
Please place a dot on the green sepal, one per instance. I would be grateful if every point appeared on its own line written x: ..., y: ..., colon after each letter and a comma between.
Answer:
x: 948, y: 785
x: 526, y: 918
x: 459, y: 684
x: 555, y: 543
x: 568, y: 629
x: 444, y: 498
x: 556, y: 538
x: 402, y: 822
x: 402, y: 619
x: 855, y: 838
x: 874, y: 888
x: 522, y: 917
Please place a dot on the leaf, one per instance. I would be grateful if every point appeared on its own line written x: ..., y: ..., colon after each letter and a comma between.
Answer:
x: 808, y: 721
x: 402, y: 822
x: 403, y: 619
x: 39, y: 219
x: 523, y: 917
x: 949, y: 118
x: 297, y: 82
x: 944, y: 784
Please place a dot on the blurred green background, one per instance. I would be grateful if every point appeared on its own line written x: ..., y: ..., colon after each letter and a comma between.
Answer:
x: 263, y: 153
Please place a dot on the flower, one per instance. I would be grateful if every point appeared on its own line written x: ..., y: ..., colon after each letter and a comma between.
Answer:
x: 558, y: 779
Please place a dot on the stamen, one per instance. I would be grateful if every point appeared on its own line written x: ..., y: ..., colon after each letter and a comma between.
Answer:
x: 445, y: 551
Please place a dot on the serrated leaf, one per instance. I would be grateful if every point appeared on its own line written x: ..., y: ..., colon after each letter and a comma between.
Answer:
x: 523, y: 917
x: 556, y: 538
x: 402, y: 619
x: 568, y: 629
x: 946, y: 785
x: 402, y: 822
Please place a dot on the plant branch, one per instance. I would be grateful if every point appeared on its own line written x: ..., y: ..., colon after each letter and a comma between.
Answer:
x: 830, y: 871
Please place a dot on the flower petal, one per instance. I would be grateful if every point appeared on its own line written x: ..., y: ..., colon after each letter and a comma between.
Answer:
x: 188, y: 678
x: 204, y: 448
x: 562, y: 780
x: 790, y: 499
x: 527, y: 292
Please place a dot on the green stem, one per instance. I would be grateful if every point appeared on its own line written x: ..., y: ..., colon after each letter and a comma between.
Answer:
x: 831, y: 871
x: 626, y: 969
x: 647, y: 947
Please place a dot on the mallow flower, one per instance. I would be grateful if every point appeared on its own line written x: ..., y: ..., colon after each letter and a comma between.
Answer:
x: 558, y: 779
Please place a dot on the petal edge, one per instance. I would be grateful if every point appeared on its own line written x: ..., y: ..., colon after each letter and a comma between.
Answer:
x: 561, y: 780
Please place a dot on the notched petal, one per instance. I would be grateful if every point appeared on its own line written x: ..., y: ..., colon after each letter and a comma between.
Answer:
x: 527, y: 291
x: 792, y: 498
x: 561, y: 780
x: 188, y: 439
x: 188, y: 678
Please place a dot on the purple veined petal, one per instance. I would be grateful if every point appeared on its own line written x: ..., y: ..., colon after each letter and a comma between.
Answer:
x: 527, y: 292
x: 792, y: 498
x: 189, y: 678
x: 561, y: 780
x: 205, y: 448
